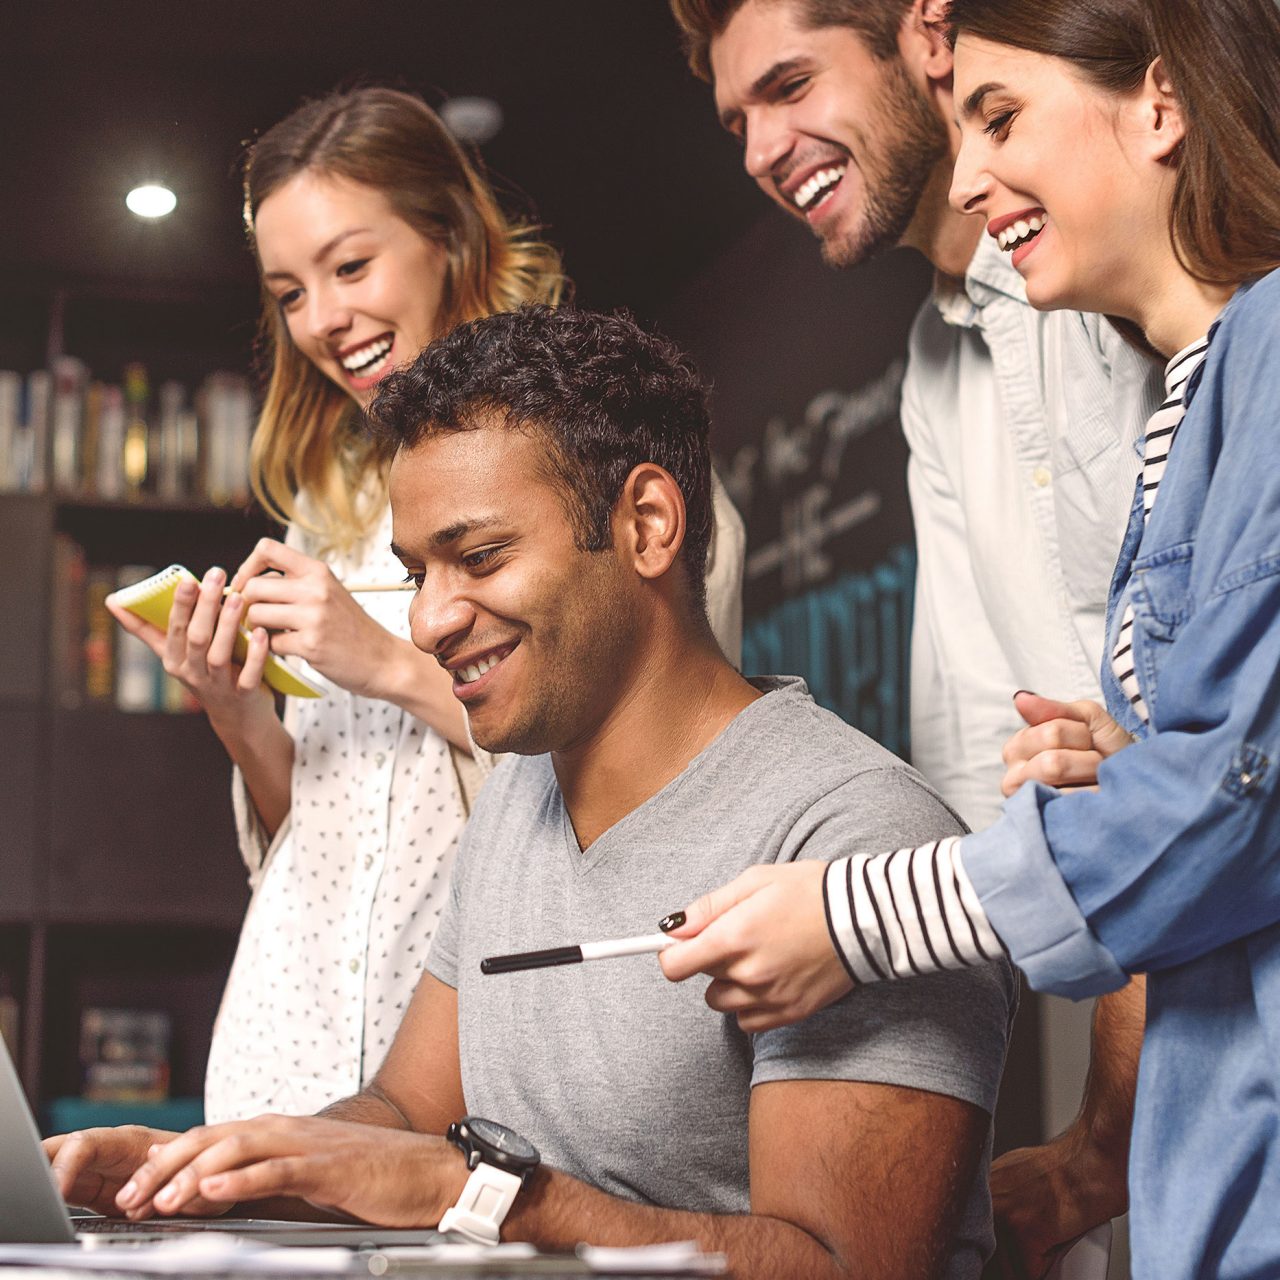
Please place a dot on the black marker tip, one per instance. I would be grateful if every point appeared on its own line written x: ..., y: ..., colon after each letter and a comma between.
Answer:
x: 531, y: 960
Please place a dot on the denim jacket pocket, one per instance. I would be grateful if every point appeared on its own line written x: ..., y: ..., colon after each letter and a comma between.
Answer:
x: 1161, y: 607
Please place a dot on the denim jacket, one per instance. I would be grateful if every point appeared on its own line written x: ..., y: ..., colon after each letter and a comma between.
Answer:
x: 1172, y: 868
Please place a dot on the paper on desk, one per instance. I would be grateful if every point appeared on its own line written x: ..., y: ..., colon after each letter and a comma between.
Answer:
x: 1087, y: 1259
x: 678, y: 1258
x: 453, y: 1253
x: 199, y: 1252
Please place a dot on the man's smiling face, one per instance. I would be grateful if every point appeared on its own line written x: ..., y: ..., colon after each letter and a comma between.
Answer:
x: 535, y: 631
x: 839, y: 138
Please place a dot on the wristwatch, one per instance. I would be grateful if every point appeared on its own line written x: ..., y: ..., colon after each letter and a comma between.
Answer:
x: 501, y: 1162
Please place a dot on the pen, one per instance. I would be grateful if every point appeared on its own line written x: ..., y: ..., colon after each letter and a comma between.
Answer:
x: 644, y: 944
x: 361, y: 587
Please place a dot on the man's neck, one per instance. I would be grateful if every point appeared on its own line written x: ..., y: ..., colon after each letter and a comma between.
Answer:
x: 947, y: 238
x: 680, y: 698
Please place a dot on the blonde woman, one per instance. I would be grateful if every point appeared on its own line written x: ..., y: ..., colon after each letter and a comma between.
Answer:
x: 373, y: 234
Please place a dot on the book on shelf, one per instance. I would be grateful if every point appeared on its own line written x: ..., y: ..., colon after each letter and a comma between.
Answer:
x: 137, y: 437
x: 98, y: 642
x: 70, y: 390
x: 124, y: 1055
x: 109, y: 473
x: 94, y: 662
x: 8, y: 1015
x: 33, y: 473
x: 138, y: 670
x: 10, y: 427
x: 177, y: 444
x: 24, y: 426
x: 228, y: 413
x: 67, y: 626
x: 98, y: 440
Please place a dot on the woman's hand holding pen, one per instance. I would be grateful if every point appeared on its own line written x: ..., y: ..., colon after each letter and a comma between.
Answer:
x: 309, y: 614
x: 763, y: 939
x: 1063, y: 744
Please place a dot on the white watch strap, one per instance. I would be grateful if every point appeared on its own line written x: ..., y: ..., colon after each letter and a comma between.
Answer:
x: 483, y: 1205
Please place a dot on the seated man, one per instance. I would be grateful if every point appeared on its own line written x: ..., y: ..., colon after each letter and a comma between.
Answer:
x: 551, y: 498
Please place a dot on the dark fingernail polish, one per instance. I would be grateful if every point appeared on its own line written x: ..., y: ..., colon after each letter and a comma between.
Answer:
x: 1032, y: 692
x: 673, y: 921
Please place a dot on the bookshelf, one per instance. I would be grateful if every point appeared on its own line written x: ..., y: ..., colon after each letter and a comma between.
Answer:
x: 123, y: 887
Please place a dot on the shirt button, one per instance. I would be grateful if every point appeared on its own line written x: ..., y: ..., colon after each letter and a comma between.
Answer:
x: 368, y: 861
x: 1041, y: 477
x: 380, y: 759
x: 355, y: 966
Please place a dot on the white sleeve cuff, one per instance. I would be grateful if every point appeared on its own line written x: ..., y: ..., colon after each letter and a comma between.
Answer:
x: 912, y: 911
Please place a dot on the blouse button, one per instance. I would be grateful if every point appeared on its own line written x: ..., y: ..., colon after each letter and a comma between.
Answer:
x: 380, y: 759
x: 355, y: 966
x: 1041, y: 477
x: 368, y: 861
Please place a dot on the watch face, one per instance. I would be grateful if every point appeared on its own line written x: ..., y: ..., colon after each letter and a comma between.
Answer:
x: 501, y: 1139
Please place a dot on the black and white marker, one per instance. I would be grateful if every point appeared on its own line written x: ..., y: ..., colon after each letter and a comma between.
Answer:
x: 644, y: 944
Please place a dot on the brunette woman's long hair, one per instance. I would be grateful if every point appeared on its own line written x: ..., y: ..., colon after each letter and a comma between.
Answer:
x: 1223, y: 59
x: 310, y: 436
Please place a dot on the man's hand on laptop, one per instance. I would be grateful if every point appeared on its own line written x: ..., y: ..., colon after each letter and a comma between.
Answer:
x: 763, y: 938
x: 389, y: 1177
x: 92, y: 1165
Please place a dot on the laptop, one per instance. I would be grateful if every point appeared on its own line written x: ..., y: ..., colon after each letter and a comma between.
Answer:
x: 32, y: 1211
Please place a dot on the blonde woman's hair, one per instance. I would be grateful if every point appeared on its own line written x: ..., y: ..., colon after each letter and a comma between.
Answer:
x: 310, y: 437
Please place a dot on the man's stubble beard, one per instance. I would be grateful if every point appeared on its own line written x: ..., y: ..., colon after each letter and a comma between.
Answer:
x: 588, y: 647
x: 896, y: 175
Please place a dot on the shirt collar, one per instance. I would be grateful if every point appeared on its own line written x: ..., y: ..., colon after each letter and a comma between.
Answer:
x: 1193, y: 382
x: 990, y: 276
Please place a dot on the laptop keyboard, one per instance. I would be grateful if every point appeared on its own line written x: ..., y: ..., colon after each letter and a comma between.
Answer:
x: 92, y: 1225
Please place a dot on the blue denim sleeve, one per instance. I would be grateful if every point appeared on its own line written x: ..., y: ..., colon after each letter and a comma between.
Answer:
x: 1175, y: 855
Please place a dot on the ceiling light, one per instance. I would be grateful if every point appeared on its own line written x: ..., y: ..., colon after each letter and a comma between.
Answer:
x: 473, y: 120
x: 151, y: 201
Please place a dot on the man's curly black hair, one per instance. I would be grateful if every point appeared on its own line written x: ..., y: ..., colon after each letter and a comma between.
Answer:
x: 601, y: 393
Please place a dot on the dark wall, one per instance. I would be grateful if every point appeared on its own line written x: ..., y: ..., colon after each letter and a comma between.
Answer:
x: 807, y: 367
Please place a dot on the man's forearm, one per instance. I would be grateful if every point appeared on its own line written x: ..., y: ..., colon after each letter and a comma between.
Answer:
x: 1046, y: 1196
x: 370, y: 1106
x: 558, y: 1211
x: 1106, y: 1112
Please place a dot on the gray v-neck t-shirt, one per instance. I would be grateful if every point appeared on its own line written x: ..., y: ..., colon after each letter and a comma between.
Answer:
x: 633, y: 1084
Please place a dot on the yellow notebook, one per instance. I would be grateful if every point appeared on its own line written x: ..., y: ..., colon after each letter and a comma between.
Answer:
x: 152, y: 598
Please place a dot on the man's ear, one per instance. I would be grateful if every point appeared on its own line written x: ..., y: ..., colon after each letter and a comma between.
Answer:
x: 650, y: 520
x: 923, y: 39
x: 1164, y: 125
